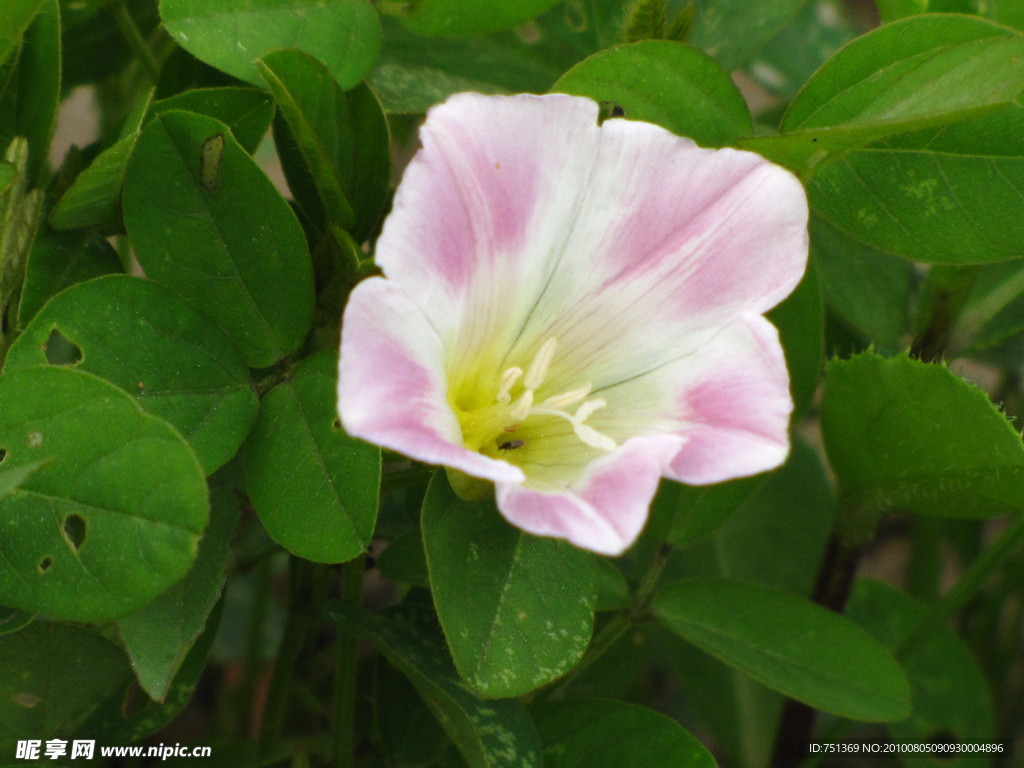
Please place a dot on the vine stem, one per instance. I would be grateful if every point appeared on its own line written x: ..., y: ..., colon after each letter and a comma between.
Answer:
x: 346, y: 676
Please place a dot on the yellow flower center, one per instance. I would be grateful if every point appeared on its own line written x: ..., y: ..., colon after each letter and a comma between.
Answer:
x: 491, y: 428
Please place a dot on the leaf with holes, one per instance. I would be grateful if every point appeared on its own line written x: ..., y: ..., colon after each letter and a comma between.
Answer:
x: 530, y: 614
x: 154, y: 345
x: 314, y: 487
x: 52, y: 677
x: 490, y: 733
x: 344, y: 34
x: 667, y: 83
x: 114, y: 519
x: 206, y: 222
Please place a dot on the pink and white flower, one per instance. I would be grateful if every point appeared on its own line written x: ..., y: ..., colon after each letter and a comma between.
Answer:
x: 573, y: 311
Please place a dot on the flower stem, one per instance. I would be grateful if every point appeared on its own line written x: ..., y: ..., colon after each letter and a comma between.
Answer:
x: 347, y: 673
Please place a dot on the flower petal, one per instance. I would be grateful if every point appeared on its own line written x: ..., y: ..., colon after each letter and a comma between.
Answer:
x: 736, y: 404
x: 605, y: 510
x: 391, y: 383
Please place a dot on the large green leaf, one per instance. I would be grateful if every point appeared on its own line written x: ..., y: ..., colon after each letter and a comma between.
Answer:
x: 909, y: 137
x: 114, y: 519
x: 912, y: 436
x: 921, y: 72
x: 490, y: 733
x: 599, y: 733
x: 344, y: 34
x: 30, y: 88
x: 154, y: 345
x: 52, y: 676
x: 667, y: 83
x: 207, y: 222
x: 343, y: 138
x: 943, y: 195
x: 314, y: 487
x: 246, y: 111
x: 530, y: 614
x: 159, y: 636
x: 789, y: 644
x: 470, y: 17
x: 950, y: 693
x: 800, y: 319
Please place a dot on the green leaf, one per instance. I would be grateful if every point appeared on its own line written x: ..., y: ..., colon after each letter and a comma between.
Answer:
x: 912, y: 436
x: 207, y: 222
x: 696, y: 511
x: 789, y: 644
x: 891, y: 10
x: 159, y: 636
x: 490, y: 733
x: 61, y: 259
x: 95, y: 196
x: 530, y: 614
x: 667, y: 83
x: 943, y: 195
x: 52, y: 676
x: 343, y: 138
x: 344, y: 34
x: 599, y: 733
x: 30, y: 89
x: 115, y: 518
x: 950, y: 692
x: 115, y: 723
x: 921, y: 72
x: 732, y: 31
x: 246, y: 111
x: 314, y: 487
x: 18, y: 14
x: 8, y: 173
x: 409, y: 733
x: 155, y: 346
x: 470, y: 17
x: 868, y: 290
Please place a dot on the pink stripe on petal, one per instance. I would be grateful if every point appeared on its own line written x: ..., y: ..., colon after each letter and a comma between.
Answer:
x: 469, y: 198
x: 607, y: 508
x: 737, y: 407
x: 391, y: 385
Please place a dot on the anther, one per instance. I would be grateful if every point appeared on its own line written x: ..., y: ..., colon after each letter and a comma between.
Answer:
x: 538, y: 370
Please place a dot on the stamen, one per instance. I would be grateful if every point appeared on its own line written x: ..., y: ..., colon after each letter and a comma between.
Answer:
x: 592, y: 437
x: 508, y: 380
x: 565, y: 399
x: 522, y: 407
x: 539, y: 367
x: 584, y: 411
